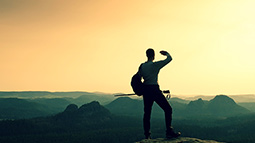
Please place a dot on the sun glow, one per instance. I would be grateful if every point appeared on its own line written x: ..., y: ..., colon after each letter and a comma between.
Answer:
x: 97, y: 46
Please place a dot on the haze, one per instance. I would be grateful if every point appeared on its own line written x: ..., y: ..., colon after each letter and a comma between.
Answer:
x: 85, y: 45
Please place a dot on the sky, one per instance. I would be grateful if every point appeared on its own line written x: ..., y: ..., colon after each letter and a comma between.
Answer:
x: 97, y: 45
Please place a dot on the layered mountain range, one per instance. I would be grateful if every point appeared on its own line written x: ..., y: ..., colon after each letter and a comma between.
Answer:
x: 117, y: 122
x: 219, y: 106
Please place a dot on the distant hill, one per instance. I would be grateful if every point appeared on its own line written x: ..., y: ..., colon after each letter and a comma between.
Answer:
x: 29, y: 104
x: 248, y: 105
x: 223, y: 105
x: 126, y: 106
x: 196, y: 107
x: 43, y: 103
x: 89, y: 123
x: 243, y: 98
x: 203, y: 97
x: 89, y: 97
x: 91, y: 115
x: 94, y: 123
x: 24, y: 94
x: 219, y: 106
x: 176, y: 99
x: 238, y: 98
x: 88, y: 113
x: 78, y: 98
x: 14, y: 108
x: 54, y: 105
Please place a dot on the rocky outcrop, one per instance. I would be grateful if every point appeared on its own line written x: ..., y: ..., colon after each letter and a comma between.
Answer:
x: 88, y: 113
x: 177, y: 140
x: 71, y: 108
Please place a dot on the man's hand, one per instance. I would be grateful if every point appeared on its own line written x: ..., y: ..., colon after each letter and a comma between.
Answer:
x: 163, y: 52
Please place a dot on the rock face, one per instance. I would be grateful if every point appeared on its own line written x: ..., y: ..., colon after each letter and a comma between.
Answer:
x: 177, y: 140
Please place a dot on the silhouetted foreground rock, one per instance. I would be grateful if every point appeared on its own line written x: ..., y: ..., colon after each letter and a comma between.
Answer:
x: 177, y: 140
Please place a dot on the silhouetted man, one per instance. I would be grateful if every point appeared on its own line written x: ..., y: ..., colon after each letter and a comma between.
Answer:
x: 149, y: 72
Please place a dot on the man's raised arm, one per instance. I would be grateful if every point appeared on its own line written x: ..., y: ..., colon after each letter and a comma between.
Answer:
x: 168, y: 59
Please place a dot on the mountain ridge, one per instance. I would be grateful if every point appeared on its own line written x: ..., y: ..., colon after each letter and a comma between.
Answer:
x: 219, y: 106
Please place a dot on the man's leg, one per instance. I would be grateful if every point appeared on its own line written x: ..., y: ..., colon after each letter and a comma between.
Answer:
x: 163, y: 103
x: 148, y: 102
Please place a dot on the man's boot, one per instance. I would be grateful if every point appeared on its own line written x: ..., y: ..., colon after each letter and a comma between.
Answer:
x: 171, y: 134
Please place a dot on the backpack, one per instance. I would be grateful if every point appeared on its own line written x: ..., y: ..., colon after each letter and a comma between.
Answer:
x: 137, y: 84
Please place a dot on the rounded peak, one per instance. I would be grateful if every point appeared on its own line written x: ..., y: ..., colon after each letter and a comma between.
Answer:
x: 71, y: 108
x: 221, y: 96
x: 224, y: 99
x: 93, y: 109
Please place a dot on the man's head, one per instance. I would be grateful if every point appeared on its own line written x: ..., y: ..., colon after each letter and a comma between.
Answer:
x: 150, y: 54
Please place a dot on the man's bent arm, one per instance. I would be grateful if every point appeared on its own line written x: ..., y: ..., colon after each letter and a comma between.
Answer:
x: 162, y: 63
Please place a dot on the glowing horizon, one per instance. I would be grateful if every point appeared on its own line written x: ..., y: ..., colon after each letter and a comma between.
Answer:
x: 53, y: 45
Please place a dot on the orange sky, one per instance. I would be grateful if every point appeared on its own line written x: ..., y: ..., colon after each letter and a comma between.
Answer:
x: 85, y: 45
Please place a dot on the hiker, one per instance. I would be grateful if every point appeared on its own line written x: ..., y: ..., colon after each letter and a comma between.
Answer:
x: 149, y: 72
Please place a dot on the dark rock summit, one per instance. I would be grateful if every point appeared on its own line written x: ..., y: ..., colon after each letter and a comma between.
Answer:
x: 91, y: 113
x: 71, y: 108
